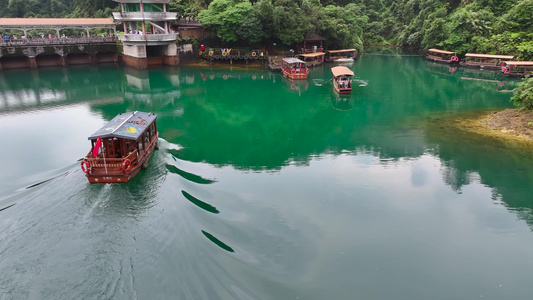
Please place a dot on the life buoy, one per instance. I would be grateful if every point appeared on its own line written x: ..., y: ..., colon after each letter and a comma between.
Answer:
x: 504, y: 70
x: 85, y: 166
x: 293, y: 71
x: 211, y: 53
x: 126, y: 165
x: 224, y: 53
x: 225, y: 77
x: 200, y: 53
x: 455, y: 58
x: 254, y: 54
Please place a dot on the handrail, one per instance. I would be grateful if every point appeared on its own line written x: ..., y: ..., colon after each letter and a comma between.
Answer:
x: 57, y: 41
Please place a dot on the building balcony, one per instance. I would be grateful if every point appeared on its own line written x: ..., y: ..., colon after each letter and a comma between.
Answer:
x: 145, y: 16
x: 148, y: 39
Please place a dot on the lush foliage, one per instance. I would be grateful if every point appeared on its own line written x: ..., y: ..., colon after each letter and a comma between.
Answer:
x: 484, y: 26
x: 523, y: 94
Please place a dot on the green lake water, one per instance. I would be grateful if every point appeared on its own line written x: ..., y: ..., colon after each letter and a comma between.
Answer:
x: 265, y: 188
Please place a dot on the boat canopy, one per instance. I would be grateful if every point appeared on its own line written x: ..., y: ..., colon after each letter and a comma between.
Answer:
x: 312, y: 54
x: 341, y: 70
x: 340, y: 51
x: 293, y: 60
x: 489, y: 56
x: 128, y: 125
x: 519, y: 63
x: 440, y: 51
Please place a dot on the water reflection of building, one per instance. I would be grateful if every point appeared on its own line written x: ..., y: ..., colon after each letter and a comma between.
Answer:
x: 152, y: 87
x: 41, y: 88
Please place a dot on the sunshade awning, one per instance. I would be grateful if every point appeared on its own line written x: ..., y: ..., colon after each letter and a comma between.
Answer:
x: 311, y: 54
x: 343, y: 50
x: 441, y: 51
x: 293, y: 60
x: 341, y: 70
x: 128, y: 125
x: 489, y: 56
x: 519, y: 63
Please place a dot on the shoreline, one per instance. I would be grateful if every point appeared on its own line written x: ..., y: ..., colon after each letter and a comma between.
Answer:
x: 512, y: 126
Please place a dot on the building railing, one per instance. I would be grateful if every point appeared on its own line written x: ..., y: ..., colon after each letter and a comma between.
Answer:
x: 57, y: 41
x: 139, y: 16
x: 148, y: 37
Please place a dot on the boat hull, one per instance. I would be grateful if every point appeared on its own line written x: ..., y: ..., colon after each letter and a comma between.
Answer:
x: 481, y: 66
x: 442, y: 61
x: 296, y: 75
x: 112, y: 170
x: 342, y: 90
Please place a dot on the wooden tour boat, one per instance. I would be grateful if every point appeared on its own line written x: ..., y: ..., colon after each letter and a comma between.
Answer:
x: 121, y: 148
x: 312, y: 59
x: 485, y: 61
x: 294, y: 68
x: 517, y: 68
x: 342, y: 79
x: 442, y: 56
x: 344, y: 56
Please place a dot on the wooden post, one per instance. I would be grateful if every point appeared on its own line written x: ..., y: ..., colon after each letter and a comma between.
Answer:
x: 33, y: 62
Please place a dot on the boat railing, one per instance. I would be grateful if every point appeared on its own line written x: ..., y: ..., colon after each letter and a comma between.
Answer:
x: 113, y: 165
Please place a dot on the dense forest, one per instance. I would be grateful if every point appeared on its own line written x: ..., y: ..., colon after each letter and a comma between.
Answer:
x: 483, y: 26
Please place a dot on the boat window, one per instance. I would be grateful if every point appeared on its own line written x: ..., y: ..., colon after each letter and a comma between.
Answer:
x: 141, y: 145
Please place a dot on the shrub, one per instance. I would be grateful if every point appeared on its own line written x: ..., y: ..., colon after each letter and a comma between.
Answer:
x: 523, y: 94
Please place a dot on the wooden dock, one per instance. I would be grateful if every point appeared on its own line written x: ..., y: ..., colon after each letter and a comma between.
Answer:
x: 274, y: 63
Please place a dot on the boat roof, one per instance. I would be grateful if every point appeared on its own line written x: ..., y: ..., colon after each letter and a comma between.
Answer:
x: 489, y: 56
x: 519, y: 63
x: 441, y: 51
x: 312, y: 54
x: 343, y: 50
x: 129, y: 125
x: 341, y: 70
x: 293, y: 60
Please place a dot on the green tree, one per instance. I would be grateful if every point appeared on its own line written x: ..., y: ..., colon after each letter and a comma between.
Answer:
x: 523, y: 94
x: 225, y: 17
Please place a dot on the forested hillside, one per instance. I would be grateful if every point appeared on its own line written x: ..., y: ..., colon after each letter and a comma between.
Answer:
x: 485, y: 26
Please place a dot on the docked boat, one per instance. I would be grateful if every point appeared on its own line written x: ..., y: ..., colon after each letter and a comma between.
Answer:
x: 343, y: 56
x: 442, y: 56
x: 121, y: 148
x: 484, y: 61
x: 342, y: 79
x: 294, y: 68
x: 312, y: 59
x: 517, y: 68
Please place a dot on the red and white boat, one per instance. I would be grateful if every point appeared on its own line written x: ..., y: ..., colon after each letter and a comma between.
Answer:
x: 294, y: 68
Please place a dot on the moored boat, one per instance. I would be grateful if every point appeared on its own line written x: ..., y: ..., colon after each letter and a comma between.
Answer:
x: 312, y: 59
x: 294, y: 68
x: 517, y: 68
x: 442, y: 56
x: 485, y: 61
x: 342, y: 79
x: 344, y: 56
x: 121, y: 148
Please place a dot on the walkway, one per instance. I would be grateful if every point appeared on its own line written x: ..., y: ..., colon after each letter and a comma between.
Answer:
x: 26, y: 24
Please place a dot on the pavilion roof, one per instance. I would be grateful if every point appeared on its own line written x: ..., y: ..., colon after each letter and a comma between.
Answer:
x: 22, y: 22
x: 314, y: 37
